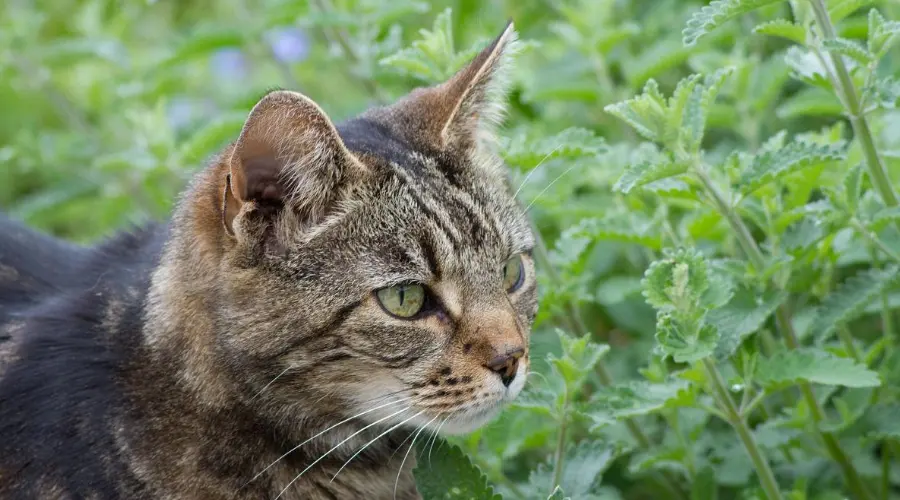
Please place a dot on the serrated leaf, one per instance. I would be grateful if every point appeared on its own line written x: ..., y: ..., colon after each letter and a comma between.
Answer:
x: 883, y: 217
x: 715, y: 14
x: 882, y: 33
x: 676, y: 282
x: 646, y: 113
x: 850, y: 299
x: 693, y: 118
x: 742, y: 316
x: 883, y: 92
x: 775, y: 165
x: 815, y: 366
x: 631, y: 399
x: 579, y: 357
x: 807, y: 67
x: 574, y: 142
x: 583, y: 465
x: 625, y: 228
x: 784, y: 29
x: 684, y: 338
x: 450, y: 475
x: 639, y: 174
x: 848, y: 48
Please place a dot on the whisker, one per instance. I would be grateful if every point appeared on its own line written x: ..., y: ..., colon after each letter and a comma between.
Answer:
x: 436, y: 432
x: 323, y: 432
x: 376, y: 438
x: 536, y: 167
x: 411, y: 446
x: 351, y: 436
x: 558, y: 177
x: 272, y: 382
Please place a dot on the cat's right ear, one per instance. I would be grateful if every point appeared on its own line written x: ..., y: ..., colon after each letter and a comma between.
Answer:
x: 289, y: 156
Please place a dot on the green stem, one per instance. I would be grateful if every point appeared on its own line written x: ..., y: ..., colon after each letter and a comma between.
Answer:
x: 885, y: 470
x: 783, y: 320
x: 720, y: 393
x: 847, y: 93
x: 574, y: 318
x: 560, y: 444
x: 847, y: 340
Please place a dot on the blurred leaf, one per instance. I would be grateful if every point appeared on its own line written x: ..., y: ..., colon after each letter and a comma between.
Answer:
x: 772, y: 166
x: 450, y: 474
x: 631, y: 399
x: 784, y: 29
x: 813, y: 365
x: 715, y: 14
x: 743, y: 315
x: 849, y: 300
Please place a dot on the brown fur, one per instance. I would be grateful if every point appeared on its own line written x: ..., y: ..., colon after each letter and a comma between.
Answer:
x: 255, y: 327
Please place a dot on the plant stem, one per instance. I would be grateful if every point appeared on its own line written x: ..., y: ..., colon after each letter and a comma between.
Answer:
x: 874, y: 239
x: 783, y: 320
x: 847, y: 340
x: 850, y: 99
x: 560, y: 444
x: 720, y: 393
x: 542, y: 257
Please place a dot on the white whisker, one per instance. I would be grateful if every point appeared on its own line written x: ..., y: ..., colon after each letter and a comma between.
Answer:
x: 351, y: 436
x: 272, y: 382
x: 323, y: 432
x: 558, y: 177
x: 411, y: 446
x: 436, y: 433
x: 536, y: 167
x: 376, y: 438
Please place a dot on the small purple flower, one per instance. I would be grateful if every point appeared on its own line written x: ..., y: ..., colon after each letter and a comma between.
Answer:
x: 229, y: 63
x: 289, y: 45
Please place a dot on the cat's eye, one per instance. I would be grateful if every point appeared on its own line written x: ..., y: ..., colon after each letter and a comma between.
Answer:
x: 513, y: 274
x: 403, y: 301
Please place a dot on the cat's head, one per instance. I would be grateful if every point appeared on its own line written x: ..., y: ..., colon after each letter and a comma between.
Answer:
x: 381, y: 264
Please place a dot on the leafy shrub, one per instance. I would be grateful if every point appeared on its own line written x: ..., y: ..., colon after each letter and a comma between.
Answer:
x: 719, y: 242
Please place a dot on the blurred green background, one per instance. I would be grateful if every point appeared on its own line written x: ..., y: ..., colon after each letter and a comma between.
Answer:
x: 109, y: 106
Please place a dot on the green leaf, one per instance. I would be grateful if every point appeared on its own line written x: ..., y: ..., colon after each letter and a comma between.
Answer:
x: 743, y: 315
x: 579, y: 357
x: 883, y: 217
x: 850, y: 299
x: 696, y: 109
x: 883, y: 92
x: 772, y: 166
x: 882, y: 33
x: 849, y: 48
x: 631, y: 399
x: 450, y: 475
x: 784, y: 29
x: 684, y: 338
x: 526, y: 152
x: 838, y: 10
x: 676, y: 282
x: 639, y: 174
x: 207, y: 141
x: 715, y: 14
x: 583, y: 464
x: 628, y: 228
x: 813, y: 365
x: 807, y: 67
x: 884, y: 421
x: 645, y: 113
x: 704, y: 486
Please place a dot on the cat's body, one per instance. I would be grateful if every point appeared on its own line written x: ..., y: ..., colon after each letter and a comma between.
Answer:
x: 260, y: 342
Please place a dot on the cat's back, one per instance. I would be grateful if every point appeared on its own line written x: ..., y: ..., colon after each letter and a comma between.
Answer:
x: 70, y: 317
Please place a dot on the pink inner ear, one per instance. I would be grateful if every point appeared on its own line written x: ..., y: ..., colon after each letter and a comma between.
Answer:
x: 263, y: 178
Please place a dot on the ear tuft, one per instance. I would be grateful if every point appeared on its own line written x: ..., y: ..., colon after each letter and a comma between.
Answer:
x: 290, y: 155
x: 479, y: 91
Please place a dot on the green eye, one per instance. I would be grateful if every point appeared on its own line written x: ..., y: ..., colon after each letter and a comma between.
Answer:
x: 513, y: 274
x: 403, y: 301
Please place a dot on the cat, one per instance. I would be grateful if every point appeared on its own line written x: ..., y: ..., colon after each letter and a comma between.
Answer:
x: 321, y: 296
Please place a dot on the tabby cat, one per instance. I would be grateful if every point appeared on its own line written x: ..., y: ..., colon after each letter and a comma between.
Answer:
x: 322, y: 294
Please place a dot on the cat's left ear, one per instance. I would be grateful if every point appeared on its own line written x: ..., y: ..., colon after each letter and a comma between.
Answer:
x: 467, y: 108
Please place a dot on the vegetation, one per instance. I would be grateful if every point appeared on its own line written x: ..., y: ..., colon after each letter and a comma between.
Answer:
x: 714, y: 186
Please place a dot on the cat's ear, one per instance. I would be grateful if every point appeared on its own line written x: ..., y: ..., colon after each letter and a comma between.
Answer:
x: 288, y: 155
x: 473, y: 101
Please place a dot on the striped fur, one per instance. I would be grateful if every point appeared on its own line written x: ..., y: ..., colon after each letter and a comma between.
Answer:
x: 247, y: 327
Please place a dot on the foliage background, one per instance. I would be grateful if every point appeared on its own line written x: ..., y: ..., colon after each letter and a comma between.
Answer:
x: 109, y: 106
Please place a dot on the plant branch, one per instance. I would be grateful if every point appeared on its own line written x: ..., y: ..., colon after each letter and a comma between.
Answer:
x: 785, y: 326
x: 875, y: 240
x: 560, y: 444
x: 847, y: 92
x: 720, y: 393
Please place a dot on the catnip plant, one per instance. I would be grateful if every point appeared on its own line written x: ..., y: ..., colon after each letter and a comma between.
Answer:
x: 713, y: 187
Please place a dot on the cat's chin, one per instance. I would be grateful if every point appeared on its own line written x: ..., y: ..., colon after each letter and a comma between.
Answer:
x: 470, y: 421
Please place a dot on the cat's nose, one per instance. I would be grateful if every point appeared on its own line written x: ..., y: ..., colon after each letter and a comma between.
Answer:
x: 506, y: 365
